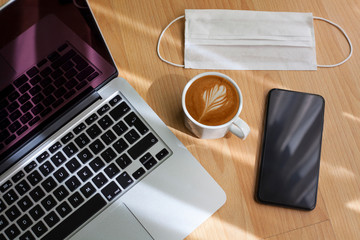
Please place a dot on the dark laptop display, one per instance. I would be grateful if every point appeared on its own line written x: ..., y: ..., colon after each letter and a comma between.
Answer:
x: 52, y: 56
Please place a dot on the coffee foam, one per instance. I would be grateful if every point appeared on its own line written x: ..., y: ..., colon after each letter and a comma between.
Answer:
x: 212, y: 100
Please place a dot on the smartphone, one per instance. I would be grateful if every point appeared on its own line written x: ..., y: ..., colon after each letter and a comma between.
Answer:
x: 290, y: 159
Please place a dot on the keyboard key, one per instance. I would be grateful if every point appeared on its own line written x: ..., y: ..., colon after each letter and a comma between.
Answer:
x: 132, y: 136
x: 12, y: 107
x: 72, y: 165
x: 119, y: 111
x: 88, y: 189
x: 22, y: 187
x: 93, y: 131
x: 4, y: 124
x: 56, y: 146
x: 3, y: 222
x: 60, y: 92
x: 15, y: 115
x: 138, y: 173
x: 67, y: 138
x: 162, y: 154
x: 73, y: 183
x: 58, y: 159
x: 34, y: 120
x: 26, y: 107
x: 25, y: 203
x: 148, y: 161
x: 13, y: 96
x: 36, y: 212
x: 32, y: 72
x: 24, y: 88
x: 35, y: 90
x: 61, y: 193
x: 124, y: 180
x: 61, y: 175
x: 53, y: 56
x: 45, y: 112
x: 49, y: 184
x: 48, y: 202
x: 82, y: 140
x: 24, y: 222
x: 85, y: 155
x: 57, y: 73
x: 111, y: 191
x: 115, y: 100
x: 63, y: 47
x: 14, y: 127
x: 105, y: 122
x: 111, y: 170
x: 103, y: 109
x: 45, y: 72
x: 70, y: 149
x: 60, y: 61
x: 6, y: 186
x: 51, y: 219
x: 34, y: 178
x: 77, y: 218
x: 96, y: 164
x: 28, y: 168
x: 48, y: 101
x: 79, y: 128
x: 27, y: 236
x: 48, y: 91
x: 22, y: 130
x: 142, y: 146
x: 108, y: 137
x: 85, y: 173
x: 108, y: 155
x: 2, y: 205
x: 12, y: 232
x: 123, y: 161
x: 96, y: 146
x: 37, y: 193
x: 76, y: 199
x: 18, y: 176
x: 25, y: 118
x: 80, y: 62
x: 93, y: 117
x: 39, y: 229
x: 70, y: 73
x: 120, y: 145
x: 13, y: 213
x: 85, y: 73
x: 35, y: 80
x: 42, y: 157
x: 46, y: 168
x: 10, y: 197
x: 20, y: 80
x: 100, y: 180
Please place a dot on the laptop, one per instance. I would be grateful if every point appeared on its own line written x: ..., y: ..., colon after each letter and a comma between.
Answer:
x: 82, y: 156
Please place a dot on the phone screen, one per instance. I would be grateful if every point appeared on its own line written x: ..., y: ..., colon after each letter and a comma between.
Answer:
x: 290, y: 161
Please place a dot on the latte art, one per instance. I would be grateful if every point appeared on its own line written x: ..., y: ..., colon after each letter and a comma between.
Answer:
x: 212, y: 100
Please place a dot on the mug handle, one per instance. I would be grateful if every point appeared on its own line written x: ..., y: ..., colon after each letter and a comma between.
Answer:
x: 240, y: 128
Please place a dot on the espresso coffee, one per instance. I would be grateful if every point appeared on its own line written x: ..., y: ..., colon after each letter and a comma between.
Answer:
x: 212, y: 100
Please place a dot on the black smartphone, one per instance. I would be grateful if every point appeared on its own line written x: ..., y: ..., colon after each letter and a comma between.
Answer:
x: 290, y: 159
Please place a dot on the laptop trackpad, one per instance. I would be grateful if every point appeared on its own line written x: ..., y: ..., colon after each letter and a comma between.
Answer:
x: 174, y: 199
x: 115, y: 222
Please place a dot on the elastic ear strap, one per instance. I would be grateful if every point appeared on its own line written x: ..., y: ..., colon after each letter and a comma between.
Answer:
x: 347, y: 38
x: 158, y: 45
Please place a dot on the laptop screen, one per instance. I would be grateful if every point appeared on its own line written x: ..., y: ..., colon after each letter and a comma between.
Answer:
x: 52, y: 56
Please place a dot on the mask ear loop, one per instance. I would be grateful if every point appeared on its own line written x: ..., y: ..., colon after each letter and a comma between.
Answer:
x: 347, y: 38
x: 158, y: 45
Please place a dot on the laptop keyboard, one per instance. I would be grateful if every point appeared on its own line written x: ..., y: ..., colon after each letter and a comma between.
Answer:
x: 80, y: 173
x: 42, y: 89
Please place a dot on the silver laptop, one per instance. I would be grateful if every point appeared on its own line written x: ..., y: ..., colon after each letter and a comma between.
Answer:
x: 82, y: 156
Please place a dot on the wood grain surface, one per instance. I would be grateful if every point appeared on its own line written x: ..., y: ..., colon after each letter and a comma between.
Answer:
x: 131, y: 29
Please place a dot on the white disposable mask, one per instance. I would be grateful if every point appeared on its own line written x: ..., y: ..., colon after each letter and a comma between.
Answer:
x: 250, y: 40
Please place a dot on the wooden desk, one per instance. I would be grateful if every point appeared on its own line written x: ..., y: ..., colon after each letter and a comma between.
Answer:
x: 132, y: 28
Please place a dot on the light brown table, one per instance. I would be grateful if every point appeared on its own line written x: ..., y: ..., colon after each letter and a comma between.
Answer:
x: 132, y: 28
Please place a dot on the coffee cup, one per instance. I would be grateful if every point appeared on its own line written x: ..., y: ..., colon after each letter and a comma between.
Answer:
x: 211, y: 103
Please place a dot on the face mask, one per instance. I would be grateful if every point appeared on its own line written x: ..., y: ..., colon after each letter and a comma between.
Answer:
x: 250, y: 40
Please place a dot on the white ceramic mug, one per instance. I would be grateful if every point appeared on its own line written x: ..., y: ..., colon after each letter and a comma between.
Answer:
x: 236, y: 125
